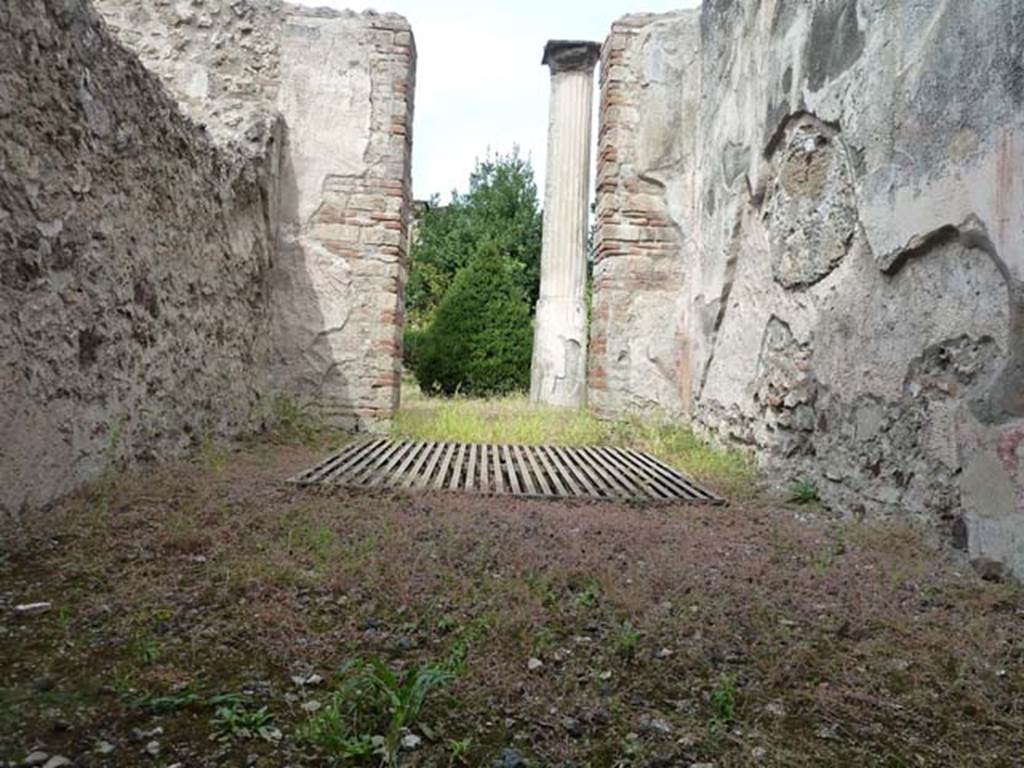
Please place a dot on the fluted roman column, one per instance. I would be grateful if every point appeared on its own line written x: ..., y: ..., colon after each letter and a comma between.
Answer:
x: 558, y: 375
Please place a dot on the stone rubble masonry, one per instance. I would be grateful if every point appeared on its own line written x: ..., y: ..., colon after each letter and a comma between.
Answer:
x: 220, y: 59
x: 811, y: 243
x: 134, y: 262
x: 203, y: 205
x: 342, y: 84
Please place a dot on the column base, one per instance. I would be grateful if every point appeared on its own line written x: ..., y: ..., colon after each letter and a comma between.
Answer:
x: 558, y: 376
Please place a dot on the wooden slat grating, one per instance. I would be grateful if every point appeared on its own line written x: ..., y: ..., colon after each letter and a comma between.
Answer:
x: 538, y: 471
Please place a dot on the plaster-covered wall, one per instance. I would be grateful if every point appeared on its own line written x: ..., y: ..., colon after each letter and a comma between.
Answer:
x: 340, y: 85
x: 346, y: 95
x: 646, y: 167
x: 134, y: 261
x: 843, y: 184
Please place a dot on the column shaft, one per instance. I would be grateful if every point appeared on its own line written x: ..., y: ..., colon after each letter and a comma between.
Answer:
x: 558, y: 375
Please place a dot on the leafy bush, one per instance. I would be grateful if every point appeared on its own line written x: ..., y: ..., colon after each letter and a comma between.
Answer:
x: 411, y: 340
x: 501, y: 207
x: 481, y: 339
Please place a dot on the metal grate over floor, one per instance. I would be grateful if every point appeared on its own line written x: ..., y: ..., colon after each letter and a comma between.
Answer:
x: 520, y: 470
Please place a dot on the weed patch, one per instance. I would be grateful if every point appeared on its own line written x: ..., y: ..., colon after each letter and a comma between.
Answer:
x: 372, y: 708
x: 235, y: 719
x: 723, y: 702
x: 804, y: 492
x: 286, y: 420
x: 627, y: 641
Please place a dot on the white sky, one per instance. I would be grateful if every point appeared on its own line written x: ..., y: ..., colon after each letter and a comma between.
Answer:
x: 479, y: 80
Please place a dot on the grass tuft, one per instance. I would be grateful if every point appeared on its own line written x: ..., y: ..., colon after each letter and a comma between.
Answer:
x: 723, y: 702
x: 804, y: 492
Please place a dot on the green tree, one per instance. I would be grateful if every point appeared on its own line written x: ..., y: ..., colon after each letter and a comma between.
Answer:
x: 481, y: 338
x: 500, y: 208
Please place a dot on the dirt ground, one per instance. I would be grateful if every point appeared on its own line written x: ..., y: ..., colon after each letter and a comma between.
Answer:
x: 588, y: 634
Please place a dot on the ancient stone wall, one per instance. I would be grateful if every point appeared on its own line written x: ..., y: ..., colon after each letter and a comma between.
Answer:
x: 844, y: 185
x: 341, y: 84
x: 203, y: 205
x: 134, y: 261
x: 220, y: 59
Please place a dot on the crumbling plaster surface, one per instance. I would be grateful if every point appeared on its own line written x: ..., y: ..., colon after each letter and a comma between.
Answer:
x: 340, y: 85
x: 346, y: 95
x: 847, y: 193
x: 134, y: 260
x: 645, y: 184
x: 220, y: 59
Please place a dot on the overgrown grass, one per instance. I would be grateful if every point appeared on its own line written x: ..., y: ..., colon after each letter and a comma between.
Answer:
x: 505, y: 419
x: 286, y: 420
x: 513, y: 419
